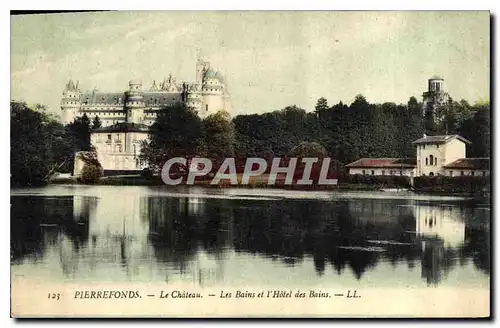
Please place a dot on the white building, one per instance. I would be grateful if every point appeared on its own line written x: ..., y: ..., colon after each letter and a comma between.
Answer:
x: 383, y: 166
x: 434, y: 152
x: 436, y: 155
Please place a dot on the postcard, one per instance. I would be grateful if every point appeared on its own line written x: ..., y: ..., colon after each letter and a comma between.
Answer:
x: 250, y: 164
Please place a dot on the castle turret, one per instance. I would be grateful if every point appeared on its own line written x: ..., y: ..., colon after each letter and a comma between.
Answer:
x: 213, y: 93
x: 70, y: 102
x: 135, y: 102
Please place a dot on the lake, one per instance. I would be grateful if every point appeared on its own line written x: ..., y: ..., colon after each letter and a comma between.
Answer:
x: 218, y: 237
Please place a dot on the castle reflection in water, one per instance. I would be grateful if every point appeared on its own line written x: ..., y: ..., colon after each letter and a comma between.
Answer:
x: 216, y: 241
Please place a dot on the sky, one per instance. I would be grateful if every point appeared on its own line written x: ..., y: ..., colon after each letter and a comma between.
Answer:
x: 270, y: 59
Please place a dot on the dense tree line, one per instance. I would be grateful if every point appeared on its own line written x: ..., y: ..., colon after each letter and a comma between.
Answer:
x: 361, y: 129
x: 41, y: 146
x: 346, y: 132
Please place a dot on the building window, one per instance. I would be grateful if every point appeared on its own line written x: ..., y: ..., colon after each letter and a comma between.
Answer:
x: 451, y: 173
x: 383, y: 172
x: 400, y: 172
x: 461, y: 173
x: 364, y: 172
x: 109, y: 137
x: 484, y: 173
x: 423, y: 146
x: 431, y: 159
x: 437, y: 146
x: 206, y: 108
x: 435, y: 161
x: 373, y: 172
x: 472, y: 173
x: 426, y: 161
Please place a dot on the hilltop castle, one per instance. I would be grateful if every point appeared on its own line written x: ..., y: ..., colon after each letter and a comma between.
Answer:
x: 207, y: 95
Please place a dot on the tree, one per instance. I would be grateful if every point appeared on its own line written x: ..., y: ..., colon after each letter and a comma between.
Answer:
x: 92, y: 170
x: 96, y: 122
x: 308, y: 149
x: 79, y: 131
x: 176, y: 132
x: 38, y: 144
x: 218, y: 136
x: 321, y: 107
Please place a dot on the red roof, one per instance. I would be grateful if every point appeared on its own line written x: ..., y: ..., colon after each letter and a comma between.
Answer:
x: 470, y: 163
x: 384, y: 163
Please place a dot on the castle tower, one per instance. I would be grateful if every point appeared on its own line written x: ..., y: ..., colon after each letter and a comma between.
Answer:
x: 434, y: 97
x: 135, y: 102
x: 70, y: 102
x: 213, y: 93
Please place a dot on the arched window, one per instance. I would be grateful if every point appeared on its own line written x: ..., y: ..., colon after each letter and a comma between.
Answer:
x: 426, y: 161
x: 431, y: 159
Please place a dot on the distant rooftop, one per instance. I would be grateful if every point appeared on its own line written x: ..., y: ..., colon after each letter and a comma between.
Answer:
x: 384, y: 163
x: 440, y: 139
x: 470, y: 163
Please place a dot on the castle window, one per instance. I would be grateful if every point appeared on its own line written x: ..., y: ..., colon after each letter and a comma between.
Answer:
x: 364, y: 172
x: 484, y: 173
x: 451, y: 173
x: 435, y: 161
x: 437, y: 146
x: 206, y: 108
x: 373, y: 172
x: 109, y: 137
x: 431, y: 160
x: 423, y: 146
x: 472, y: 173
x: 461, y: 173
x: 426, y: 161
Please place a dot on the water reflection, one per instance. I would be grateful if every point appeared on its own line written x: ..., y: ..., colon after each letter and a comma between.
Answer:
x: 213, y: 241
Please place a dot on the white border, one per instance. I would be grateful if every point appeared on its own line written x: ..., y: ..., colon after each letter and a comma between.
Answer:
x: 491, y: 5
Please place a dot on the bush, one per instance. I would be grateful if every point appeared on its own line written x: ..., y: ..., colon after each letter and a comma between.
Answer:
x: 147, y: 173
x: 462, y: 184
x: 390, y: 181
x: 91, y: 173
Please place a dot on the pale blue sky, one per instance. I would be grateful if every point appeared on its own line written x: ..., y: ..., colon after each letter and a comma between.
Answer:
x: 270, y: 59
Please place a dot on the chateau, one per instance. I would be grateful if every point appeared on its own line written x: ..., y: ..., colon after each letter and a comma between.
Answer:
x: 208, y: 94
x: 127, y: 115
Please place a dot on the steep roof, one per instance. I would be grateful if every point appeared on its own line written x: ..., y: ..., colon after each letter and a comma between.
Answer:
x: 384, y: 163
x: 470, y: 163
x: 440, y: 139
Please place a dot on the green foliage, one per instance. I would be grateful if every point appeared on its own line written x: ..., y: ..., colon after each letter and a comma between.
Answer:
x: 38, y: 144
x: 308, y: 149
x: 218, y: 136
x: 176, y: 132
x: 446, y: 184
x: 385, y: 181
x: 96, y: 122
x: 92, y: 170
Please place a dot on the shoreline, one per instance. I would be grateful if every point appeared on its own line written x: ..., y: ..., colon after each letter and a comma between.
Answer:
x: 141, y: 181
